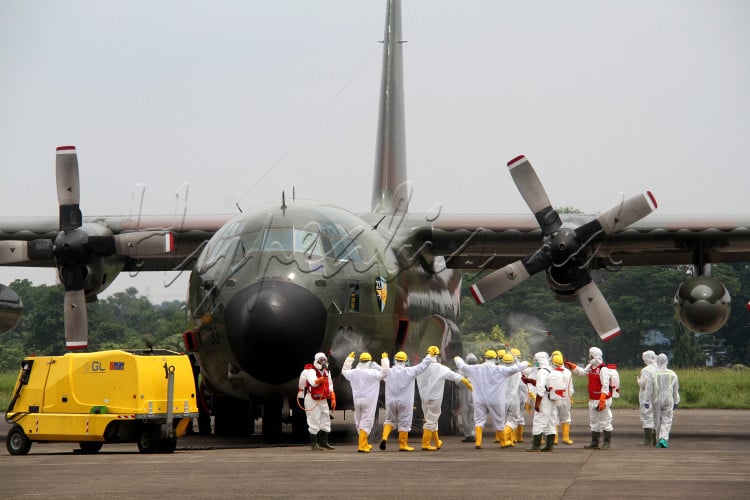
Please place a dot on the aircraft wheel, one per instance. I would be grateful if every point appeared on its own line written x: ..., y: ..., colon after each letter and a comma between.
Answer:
x: 148, y: 440
x: 90, y: 446
x: 16, y: 442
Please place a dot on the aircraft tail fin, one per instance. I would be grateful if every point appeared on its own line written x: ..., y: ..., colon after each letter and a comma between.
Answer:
x: 390, y: 192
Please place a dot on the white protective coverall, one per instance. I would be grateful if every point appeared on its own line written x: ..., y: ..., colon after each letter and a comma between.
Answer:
x: 399, y: 393
x: 544, y: 417
x: 489, y: 389
x: 467, y: 405
x: 431, y: 385
x: 365, y: 381
x: 316, y: 410
x: 646, y: 410
x: 663, y: 390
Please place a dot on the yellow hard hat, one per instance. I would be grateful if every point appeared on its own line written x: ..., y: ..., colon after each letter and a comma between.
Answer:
x: 516, y: 352
x: 401, y: 356
x: 557, y: 358
x: 365, y: 356
x: 500, y: 353
x: 509, y: 358
x: 433, y: 350
x: 555, y: 352
x: 490, y: 354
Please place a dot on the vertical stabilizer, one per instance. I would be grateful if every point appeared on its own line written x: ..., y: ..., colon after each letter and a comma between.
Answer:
x: 389, y: 190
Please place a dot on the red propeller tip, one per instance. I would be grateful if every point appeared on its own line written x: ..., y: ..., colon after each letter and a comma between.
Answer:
x: 517, y: 159
x: 476, y: 294
x: 653, y: 200
x: 65, y: 148
x: 611, y: 334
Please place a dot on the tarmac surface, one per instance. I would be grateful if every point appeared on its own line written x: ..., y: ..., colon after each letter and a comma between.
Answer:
x: 707, y: 458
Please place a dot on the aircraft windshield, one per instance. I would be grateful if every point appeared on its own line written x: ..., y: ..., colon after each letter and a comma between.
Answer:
x: 339, y: 245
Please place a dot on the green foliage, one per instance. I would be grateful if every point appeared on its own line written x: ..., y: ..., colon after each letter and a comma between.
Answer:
x: 124, y: 320
x: 641, y: 299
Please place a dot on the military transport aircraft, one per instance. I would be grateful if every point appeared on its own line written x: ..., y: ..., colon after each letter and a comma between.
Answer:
x: 298, y: 277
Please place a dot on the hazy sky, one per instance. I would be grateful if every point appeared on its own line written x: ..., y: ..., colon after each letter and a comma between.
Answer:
x: 244, y: 99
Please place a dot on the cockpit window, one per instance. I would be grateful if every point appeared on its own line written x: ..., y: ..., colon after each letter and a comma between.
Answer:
x: 316, y: 240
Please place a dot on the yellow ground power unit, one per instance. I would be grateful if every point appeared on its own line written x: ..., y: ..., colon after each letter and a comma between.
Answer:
x: 120, y: 396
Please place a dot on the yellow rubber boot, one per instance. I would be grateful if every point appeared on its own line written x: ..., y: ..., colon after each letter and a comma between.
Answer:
x: 499, y: 437
x: 478, y: 440
x: 403, y: 438
x: 426, y: 438
x: 557, y: 432
x: 364, y: 446
x: 507, y: 439
x: 436, y: 439
x: 513, y: 436
x: 566, y: 433
x: 519, y: 433
x: 387, y: 428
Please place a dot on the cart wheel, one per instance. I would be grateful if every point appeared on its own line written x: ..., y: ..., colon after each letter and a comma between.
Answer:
x: 90, y: 446
x: 148, y: 440
x: 167, y: 445
x: 17, y: 442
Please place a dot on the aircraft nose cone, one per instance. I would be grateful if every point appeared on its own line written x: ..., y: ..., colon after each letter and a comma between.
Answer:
x: 274, y: 328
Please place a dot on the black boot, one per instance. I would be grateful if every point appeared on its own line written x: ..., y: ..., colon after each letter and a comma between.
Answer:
x: 537, y: 443
x: 550, y: 443
x: 314, y: 442
x: 648, y: 437
x: 594, y: 440
x: 607, y: 438
x: 323, y: 440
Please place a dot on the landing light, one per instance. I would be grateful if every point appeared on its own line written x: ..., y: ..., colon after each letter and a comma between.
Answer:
x: 291, y: 276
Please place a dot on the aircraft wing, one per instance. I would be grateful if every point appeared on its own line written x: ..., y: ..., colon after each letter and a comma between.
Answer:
x: 493, y: 241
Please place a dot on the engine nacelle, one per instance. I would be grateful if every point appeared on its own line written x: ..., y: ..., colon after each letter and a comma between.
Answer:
x: 702, y: 304
x: 11, y: 309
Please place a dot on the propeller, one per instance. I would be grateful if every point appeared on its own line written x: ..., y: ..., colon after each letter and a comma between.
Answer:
x: 562, y: 254
x: 74, y: 248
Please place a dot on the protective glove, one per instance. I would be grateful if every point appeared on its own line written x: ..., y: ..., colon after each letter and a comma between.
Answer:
x: 570, y: 365
x: 676, y: 405
x: 538, y: 403
x: 647, y: 406
x: 602, y: 401
x: 384, y: 355
x: 351, y: 355
x: 333, y: 400
x: 319, y: 380
x: 466, y: 382
x: 524, y: 379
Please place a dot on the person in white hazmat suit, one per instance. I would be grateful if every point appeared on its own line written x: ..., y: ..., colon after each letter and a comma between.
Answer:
x: 645, y: 406
x: 663, y: 390
x: 399, y: 398
x: 563, y: 404
x: 545, y: 403
x: 431, y: 385
x: 315, y: 390
x: 467, y: 406
x: 489, y: 395
x: 600, y: 398
x: 365, y: 382
x: 507, y: 437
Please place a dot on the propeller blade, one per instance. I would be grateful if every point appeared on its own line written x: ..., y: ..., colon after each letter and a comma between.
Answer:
x: 143, y: 243
x: 499, y: 282
x: 627, y: 212
x: 76, y: 320
x: 533, y: 193
x: 68, y: 188
x: 13, y: 252
x: 598, y: 311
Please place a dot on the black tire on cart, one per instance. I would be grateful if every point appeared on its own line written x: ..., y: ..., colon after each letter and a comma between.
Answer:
x: 90, y: 446
x: 149, y: 439
x: 17, y: 442
x: 167, y: 445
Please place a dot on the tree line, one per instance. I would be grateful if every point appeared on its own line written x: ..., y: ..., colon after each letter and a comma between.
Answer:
x: 527, y: 317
